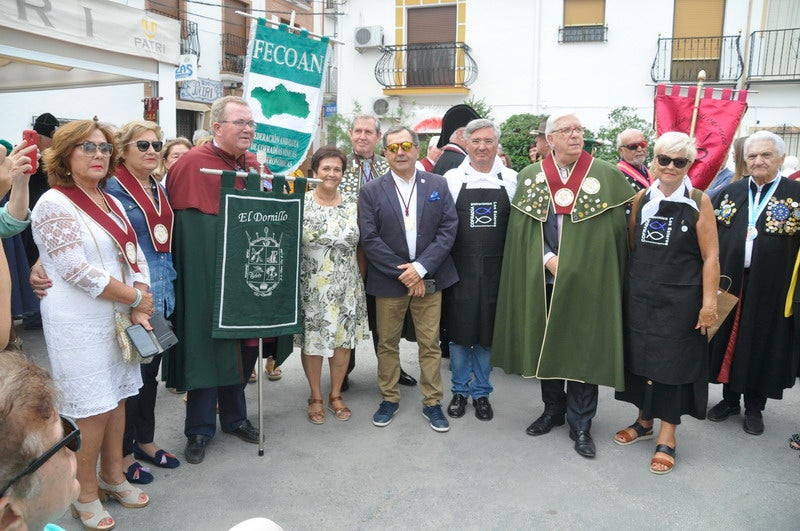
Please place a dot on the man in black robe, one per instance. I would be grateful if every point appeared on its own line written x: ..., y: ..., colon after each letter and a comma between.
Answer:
x: 758, y: 220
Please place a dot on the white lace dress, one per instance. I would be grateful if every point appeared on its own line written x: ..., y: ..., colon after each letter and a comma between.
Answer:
x: 85, y: 357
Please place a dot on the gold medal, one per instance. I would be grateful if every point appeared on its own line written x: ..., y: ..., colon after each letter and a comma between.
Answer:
x: 564, y: 197
x: 160, y: 233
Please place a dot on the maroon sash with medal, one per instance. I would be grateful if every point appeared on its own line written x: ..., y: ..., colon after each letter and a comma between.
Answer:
x: 629, y: 170
x: 124, y: 238
x: 564, y: 194
x: 159, y: 220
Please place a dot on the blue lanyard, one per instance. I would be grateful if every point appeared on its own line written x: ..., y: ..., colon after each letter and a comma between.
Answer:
x: 762, y: 204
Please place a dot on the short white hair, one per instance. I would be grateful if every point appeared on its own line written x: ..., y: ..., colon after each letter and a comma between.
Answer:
x: 769, y: 136
x: 555, y: 117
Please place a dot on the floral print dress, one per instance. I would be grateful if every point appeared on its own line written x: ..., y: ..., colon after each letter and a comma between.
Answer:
x: 334, y: 307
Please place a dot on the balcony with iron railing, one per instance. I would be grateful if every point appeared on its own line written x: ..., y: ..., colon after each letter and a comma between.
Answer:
x: 234, y: 51
x: 681, y: 59
x: 774, y: 55
x: 434, y: 67
x: 190, y: 39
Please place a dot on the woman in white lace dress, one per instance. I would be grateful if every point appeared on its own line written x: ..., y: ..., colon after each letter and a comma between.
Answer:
x: 89, y: 251
x: 334, y: 307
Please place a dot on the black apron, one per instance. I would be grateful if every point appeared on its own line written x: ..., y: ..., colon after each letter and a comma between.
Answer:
x: 470, y: 305
x: 663, y: 296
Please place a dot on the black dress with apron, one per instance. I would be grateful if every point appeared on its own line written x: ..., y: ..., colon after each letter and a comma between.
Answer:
x: 470, y: 304
x: 666, y: 359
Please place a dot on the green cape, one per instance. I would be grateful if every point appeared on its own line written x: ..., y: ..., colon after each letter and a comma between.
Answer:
x: 198, y: 361
x: 581, y: 338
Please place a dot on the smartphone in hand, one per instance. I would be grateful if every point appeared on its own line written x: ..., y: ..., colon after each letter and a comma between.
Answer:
x: 32, y: 138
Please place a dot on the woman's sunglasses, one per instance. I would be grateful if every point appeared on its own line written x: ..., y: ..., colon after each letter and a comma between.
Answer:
x: 71, y: 439
x: 144, y: 145
x: 664, y: 161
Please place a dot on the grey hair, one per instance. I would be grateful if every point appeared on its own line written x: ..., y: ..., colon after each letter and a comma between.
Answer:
x: 481, y: 123
x: 675, y: 142
x: 397, y: 129
x: 769, y: 136
x: 626, y: 132
x: 200, y: 133
x: 555, y: 117
x: 218, y: 107
x: 366, y: 116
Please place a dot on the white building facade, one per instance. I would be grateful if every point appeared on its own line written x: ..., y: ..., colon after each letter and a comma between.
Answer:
x: 590, y: 56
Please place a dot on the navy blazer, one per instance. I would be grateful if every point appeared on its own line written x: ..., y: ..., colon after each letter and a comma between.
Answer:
x: 383, y: 235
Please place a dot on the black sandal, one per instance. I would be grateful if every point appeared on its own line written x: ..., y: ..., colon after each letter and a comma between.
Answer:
x: 663, y: 449
x: 794, y: 441
x: 642, y: 434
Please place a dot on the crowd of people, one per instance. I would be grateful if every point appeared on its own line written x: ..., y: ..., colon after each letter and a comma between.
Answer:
x: 454, y: 250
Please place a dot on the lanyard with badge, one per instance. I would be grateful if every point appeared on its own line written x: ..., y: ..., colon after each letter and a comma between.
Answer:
x: 408, y: 221
x: 752, y: 232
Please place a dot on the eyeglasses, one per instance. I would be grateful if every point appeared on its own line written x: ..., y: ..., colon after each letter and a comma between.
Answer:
x: 90, y: 148
x: 407, y: 146
x: 637, y: 145
x: 71, y: 439
x: 240, y: 123
x: 144, y: 145
x: 486, y: 141
x: 664, y: 161
x: 567, y: 131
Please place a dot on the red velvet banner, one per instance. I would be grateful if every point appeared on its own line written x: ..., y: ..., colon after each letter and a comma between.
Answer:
x: 717, y: 120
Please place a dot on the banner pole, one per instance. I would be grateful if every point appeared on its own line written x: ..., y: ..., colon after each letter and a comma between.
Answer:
x: 212, y: 171
x: 291, y: 28
x: 259, y: 372
x: 701, y: 76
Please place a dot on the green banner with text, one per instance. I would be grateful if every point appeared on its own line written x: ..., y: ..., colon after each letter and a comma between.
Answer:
x: 283, y: 83
x: 258, y: 262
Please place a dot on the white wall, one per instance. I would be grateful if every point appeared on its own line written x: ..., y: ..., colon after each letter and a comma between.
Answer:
x: 524, y: 69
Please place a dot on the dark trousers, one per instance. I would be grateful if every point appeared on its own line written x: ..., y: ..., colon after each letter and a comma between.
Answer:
x: 754, y: 402
x: 140, y: 410
x: 579, y: 402
x: 201, y: 404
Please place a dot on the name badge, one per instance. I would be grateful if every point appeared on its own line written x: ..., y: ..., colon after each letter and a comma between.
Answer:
x: 409, y: 223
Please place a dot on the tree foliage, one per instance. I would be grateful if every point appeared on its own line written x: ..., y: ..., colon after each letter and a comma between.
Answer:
x: 620, y: 119
x: 515, y: 136
x: 483, y: 109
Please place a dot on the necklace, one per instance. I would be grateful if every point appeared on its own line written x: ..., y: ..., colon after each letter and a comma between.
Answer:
x: 92, y: 194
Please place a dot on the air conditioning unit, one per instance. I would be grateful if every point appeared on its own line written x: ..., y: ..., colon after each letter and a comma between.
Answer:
x: 368, y: 37
x: 386, y: 106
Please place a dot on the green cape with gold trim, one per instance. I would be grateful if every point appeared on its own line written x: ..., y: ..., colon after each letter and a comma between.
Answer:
x: 581, y: 337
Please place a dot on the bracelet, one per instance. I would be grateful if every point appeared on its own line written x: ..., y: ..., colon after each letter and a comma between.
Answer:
x: 138, y: 298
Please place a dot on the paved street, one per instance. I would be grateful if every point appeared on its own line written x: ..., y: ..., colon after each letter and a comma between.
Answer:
x: 480, y: 475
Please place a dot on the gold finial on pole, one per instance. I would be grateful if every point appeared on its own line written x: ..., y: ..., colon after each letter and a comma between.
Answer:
x: 701, y: 76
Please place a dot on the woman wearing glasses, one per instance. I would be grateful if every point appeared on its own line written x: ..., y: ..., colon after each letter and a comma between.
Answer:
x: 334, y: 307
x: 145, y: 203
x: 670, y: 301
x: 89, y: 251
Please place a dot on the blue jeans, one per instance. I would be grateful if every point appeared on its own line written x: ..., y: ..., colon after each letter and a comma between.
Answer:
x: 466, y: 362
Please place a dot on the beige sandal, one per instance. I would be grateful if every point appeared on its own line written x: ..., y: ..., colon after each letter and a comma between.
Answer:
x: 341, y: 413
x: 316, y: 417
x: 126, y: 494
x: 92, y: 515
x: 273, y: 373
